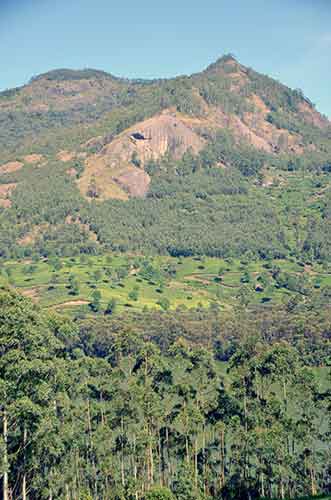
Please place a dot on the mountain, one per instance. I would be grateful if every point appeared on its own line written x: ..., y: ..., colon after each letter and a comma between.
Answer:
x: 172, y: 240
x: 83, y: 138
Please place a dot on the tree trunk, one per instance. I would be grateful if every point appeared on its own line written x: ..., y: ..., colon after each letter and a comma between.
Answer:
x: 204, y: 460
x: 89, y: 423
x: 169, y: 472
x: 5, y: 456
x: 196, y: 463
x: 24, y: 474
x: 101, y: 410
x: 262, y: 485
x: 282, y: 489
x: 122, y: 453
x: 151, y: 461
x: 222, y: 478
x: 313, y: 483
x: 160, y: 456
x: 187, y: 449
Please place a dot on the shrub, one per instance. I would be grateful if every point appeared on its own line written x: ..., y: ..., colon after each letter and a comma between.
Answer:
x: 159, y: 494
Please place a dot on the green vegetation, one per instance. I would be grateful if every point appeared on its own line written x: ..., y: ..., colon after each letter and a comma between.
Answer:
x: 110, y: 283
x: 98, y: 410
x: 213, y: 212
x: 177, y: 346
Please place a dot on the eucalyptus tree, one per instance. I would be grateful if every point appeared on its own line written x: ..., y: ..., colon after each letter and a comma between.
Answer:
x: 29, y: 373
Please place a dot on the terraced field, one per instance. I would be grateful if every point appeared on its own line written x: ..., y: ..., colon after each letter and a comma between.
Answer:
x: 136, y: 283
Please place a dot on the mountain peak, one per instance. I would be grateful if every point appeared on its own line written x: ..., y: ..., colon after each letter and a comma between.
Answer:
x: 224, y: 62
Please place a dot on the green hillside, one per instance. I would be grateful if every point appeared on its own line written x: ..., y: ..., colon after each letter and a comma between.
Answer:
x: 253, y: 180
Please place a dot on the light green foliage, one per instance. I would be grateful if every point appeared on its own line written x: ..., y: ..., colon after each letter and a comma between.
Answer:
x: 159, y: 494
x: 169, y: 283
x: 111, y: 307
x: 95, y: 301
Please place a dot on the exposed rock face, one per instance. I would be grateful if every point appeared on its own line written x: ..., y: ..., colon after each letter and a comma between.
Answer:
x: 118, y: 169
x: 153, y: 138
x: 135, y: 181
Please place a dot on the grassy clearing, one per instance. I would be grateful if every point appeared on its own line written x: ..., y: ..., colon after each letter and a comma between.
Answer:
x: 157, y: 282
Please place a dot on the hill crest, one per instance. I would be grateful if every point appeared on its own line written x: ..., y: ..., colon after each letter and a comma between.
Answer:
x: 90, y: 116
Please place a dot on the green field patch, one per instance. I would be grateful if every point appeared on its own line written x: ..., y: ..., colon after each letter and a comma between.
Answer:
x: 137, y: 282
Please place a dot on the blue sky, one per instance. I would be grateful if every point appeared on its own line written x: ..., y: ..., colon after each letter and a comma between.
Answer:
x: 287, y: 39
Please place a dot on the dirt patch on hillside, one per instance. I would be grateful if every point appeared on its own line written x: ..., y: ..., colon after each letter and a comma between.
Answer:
x: 240, y: 129
x: 5, y: 203
x: 5, y: 192
x: 203, y: 279
x: 100, y: 178
x: 31, y: 293
x: 72, y: 303
x: 6, y: 189
x: 72, y: 172
x: 85, y: 227
x: 82, y: 156
x: 33, y: 158
x: 259, y: 104
x: 65, y: 156
x: 238, y: 81
x: 11, y: 166
x: 308, y: 269
x: 32, y: 236
x: 312, y: 116
x: 259, y: 131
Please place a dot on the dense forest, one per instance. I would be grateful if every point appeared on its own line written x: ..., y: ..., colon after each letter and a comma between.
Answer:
x: 192, y: 208
x: 99, y: 410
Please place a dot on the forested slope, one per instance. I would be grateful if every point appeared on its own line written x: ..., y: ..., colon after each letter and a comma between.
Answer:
x: 181, y: 166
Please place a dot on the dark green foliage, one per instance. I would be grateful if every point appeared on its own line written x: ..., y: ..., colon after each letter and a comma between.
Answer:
x: 131, y: 417
x: 164, y: 303
x: 95, y: 301
x: 111, y: 307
